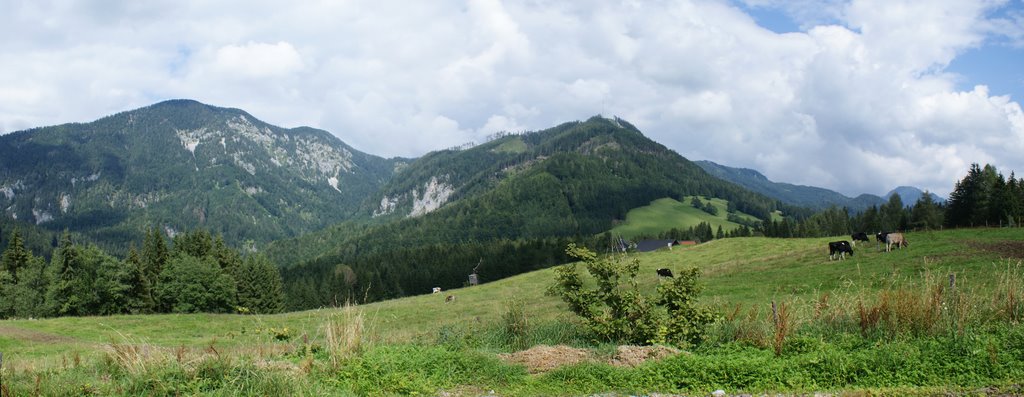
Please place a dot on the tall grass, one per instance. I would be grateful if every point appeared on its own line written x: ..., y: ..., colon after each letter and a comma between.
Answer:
x: 345, y: 334
x: 928, y: 304
x: 517, y: 326
x: 135, y: 356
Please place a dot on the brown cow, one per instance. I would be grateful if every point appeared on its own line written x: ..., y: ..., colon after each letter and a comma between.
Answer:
x: 895, y: 238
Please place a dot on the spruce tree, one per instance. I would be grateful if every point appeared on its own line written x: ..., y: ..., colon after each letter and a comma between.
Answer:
x: 15, y: 257
x: 71, y: 291
x: 140, y: 293
x: 154, y: 255
x: 926, y: 214
x: 964, y: 199
x: 260, y: 289
x: 113, y: 287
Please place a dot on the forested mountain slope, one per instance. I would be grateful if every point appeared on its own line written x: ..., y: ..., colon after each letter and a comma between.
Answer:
x: 509, y: 205
x: 180, y: 165
x: 798, y: 195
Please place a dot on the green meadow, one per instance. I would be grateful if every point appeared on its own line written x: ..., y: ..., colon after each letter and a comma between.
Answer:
x: 665, y: 214
x: 940, y: 316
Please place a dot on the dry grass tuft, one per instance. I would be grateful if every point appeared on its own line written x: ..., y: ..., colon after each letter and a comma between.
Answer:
x: 134, y: 355
x: 631, y: 356
x: 345, y: 337
x: 542, y: 358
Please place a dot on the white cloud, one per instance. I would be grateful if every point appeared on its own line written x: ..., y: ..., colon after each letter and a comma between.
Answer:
x: 498, y: 123
x: 257, y: 60
x: 860, y: 91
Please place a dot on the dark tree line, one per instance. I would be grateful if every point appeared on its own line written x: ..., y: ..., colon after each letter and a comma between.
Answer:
x: 985, y: 198
x: 195, y: 273
x: 388, y: 270
x: 982, y: 198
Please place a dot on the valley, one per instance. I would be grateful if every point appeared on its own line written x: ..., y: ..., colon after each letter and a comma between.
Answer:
x: 184, y: 248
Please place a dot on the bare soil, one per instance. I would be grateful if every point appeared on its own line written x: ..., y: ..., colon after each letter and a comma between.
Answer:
x: 1010, y: 249
x: 32, y: 336
x: 544, y: 358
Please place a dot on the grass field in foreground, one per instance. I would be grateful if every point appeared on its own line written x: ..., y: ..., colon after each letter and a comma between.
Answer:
x: 748, y: 271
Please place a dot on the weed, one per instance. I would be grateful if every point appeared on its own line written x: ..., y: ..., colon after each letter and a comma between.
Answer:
x: 1009, y: 295
x: 515, y: 323
x: 344, y: 338
x: 782, y: 325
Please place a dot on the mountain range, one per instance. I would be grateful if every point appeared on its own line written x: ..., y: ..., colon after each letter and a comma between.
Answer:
x: 180, y: 165
x: 808, y: 196
x: 343, y: 224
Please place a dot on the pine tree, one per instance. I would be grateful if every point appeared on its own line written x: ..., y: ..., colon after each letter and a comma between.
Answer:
x: 140, y: 293
x: 260, y: 289
x: 892, y: 213
x: 6, y: 294
x: 113, y: 287
x: 196, y: 243
x: 1000, y: 205
x: 964, y: 199
x: 154, y: 255
x: 15, y: 257
x: 926, y: 214
x: 71, y: 291
x: 229, y: 260
x: 1016, y: 203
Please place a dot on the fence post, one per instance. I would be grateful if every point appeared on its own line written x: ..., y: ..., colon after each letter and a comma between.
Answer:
x: 952, y: 282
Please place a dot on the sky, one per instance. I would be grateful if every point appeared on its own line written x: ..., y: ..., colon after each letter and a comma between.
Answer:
x: 856, y: 96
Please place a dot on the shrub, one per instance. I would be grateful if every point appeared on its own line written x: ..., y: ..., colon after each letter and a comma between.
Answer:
x: 621, y: 313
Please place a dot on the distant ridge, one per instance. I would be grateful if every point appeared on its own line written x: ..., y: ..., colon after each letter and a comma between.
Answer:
x: 909, y: 195
x: 807, y: 196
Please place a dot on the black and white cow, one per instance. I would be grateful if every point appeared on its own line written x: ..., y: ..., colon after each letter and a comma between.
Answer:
x: 664, y: 272
x: 860, y: 236
x: 880, y: 238
x: 840, y: 248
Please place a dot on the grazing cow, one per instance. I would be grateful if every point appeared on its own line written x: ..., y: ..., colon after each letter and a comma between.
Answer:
x: 664, y: 272
x: 895, y: 238
x: 449, y: 298
x: 880, y: 238
x: 860, y: 236
x: 840, y: 248
x: 437, y: 290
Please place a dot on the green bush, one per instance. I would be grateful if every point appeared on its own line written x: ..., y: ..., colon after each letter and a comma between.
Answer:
x: 621, y: 313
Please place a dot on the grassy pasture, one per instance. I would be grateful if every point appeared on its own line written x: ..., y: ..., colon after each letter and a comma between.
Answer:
x: 664, y: 214
x: 748, y: 273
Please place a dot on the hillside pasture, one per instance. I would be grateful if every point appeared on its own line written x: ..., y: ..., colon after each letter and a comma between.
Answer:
x: 746, y: 271
x: 740, y: 275
x: 665, y: 214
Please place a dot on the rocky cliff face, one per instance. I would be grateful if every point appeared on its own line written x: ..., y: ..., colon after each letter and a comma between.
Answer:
x: 179, y: 165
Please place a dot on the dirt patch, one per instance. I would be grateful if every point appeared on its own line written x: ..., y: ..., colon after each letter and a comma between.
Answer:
x: 631, y: 356
x: 1010, y: 249
x: 32, y: 336
x: 543, y: 358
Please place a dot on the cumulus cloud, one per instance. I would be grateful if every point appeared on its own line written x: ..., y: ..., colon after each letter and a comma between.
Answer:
x: 859, y: 91
x: 257, y: 60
